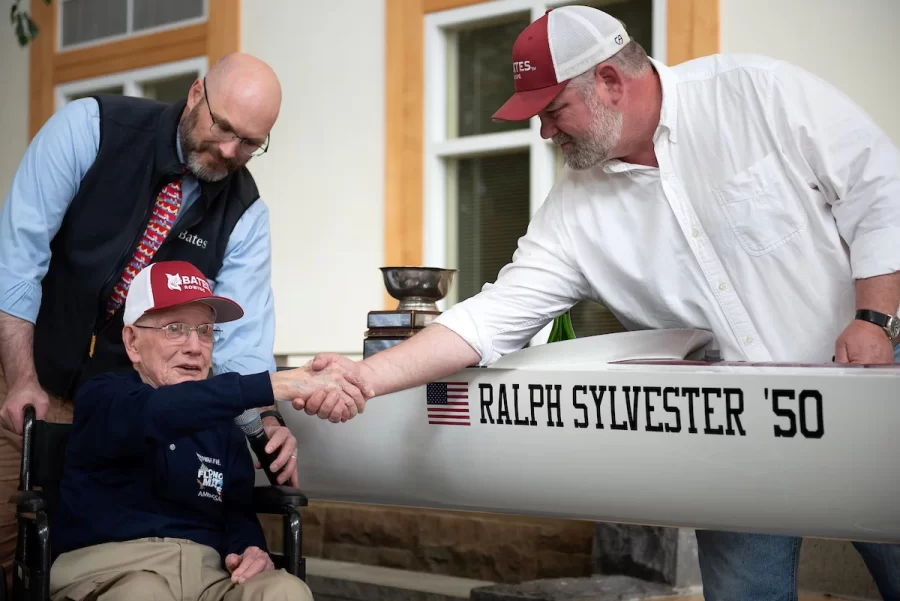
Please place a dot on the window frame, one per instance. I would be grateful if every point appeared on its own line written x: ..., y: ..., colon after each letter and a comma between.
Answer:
x: 129, y: 31
x: 691, y: 30
x: 218, y: 35
x: 132, y: 81
x: 440, y: 149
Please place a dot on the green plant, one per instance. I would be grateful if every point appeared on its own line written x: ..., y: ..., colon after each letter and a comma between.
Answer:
x: 23, y: 25
x: 562, y: 328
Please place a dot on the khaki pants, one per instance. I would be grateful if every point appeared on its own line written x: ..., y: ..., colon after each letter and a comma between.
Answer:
x: 60, y: 412
x: 162, y: 569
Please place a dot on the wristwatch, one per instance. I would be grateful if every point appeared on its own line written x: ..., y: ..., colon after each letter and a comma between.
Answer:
x: 890, y: 323
x: 270, y: 413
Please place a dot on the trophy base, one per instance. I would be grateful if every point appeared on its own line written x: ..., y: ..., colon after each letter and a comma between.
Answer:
x: 390, y: 328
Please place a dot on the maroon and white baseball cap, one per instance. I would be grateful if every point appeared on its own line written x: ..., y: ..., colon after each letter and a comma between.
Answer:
x: 563, y: 43
x: 170, y: 284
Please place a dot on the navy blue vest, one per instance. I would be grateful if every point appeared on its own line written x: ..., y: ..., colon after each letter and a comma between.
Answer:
x: 101, y: 229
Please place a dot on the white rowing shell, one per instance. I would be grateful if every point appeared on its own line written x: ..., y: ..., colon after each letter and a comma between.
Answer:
x: 780, y: 449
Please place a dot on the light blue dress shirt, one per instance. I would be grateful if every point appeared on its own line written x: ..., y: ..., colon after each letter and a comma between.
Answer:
x: 46, y: 182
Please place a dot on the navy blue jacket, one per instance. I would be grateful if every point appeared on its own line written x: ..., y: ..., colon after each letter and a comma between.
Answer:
x: 160, y: 462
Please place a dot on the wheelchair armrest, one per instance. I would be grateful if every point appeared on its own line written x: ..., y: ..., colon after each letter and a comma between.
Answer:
x: 29, y: 501
x: 277, y: 499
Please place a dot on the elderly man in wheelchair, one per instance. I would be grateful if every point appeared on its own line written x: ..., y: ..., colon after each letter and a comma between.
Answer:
x: 156, y: 499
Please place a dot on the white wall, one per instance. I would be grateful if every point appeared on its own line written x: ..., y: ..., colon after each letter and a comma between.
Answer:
x: 13, y: 105
x: 323, y: 177
x: 853, y: 45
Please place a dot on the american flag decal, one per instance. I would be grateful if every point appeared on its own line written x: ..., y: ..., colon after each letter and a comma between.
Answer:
x: 448, y: 403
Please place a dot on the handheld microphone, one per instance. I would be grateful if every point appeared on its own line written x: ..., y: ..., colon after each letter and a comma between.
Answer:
x: 251, y: 425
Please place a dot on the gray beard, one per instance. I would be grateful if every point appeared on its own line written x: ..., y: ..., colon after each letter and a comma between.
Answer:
x: 189, y: 150
x: 601, y: 138
x: 201, y: 171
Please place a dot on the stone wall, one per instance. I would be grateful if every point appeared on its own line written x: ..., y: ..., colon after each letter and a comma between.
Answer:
x: 483, y: 546
x: 511, y: 549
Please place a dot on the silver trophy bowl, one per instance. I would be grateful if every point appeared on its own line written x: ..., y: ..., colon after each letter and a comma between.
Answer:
x: 417, y: 288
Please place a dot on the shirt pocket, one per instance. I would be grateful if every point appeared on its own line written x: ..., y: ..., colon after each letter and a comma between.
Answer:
x: 761, y: 206
x: 189, y: 478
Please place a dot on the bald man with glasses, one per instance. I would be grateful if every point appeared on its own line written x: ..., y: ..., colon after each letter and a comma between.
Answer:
x: 109, y: 185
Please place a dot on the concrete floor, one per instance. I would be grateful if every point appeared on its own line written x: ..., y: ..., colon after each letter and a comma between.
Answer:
x: 438, y: 584
x: 700, y: 598
x: 344, y: 581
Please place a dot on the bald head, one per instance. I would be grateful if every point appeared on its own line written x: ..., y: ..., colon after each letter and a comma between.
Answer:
x: 235, y: 110
x: 248, y: 91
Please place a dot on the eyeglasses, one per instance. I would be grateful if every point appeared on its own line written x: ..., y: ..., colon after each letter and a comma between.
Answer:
x: 224, y: 134
x: 181, y: 332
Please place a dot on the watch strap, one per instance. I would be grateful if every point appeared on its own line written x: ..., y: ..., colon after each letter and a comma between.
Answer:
x: 270, y: 413
x: 879, y: 319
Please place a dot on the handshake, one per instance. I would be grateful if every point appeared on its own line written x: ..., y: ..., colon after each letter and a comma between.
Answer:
x: 330, y: 386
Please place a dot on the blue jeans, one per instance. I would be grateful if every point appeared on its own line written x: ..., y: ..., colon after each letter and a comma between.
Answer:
x: 759, y: 567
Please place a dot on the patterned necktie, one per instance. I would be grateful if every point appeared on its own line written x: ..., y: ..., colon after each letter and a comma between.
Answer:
x: 161, y: 221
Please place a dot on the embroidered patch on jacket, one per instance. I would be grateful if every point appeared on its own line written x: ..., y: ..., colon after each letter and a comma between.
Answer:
x: 210, y: 480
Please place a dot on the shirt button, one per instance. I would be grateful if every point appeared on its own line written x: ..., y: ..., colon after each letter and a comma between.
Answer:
x: 695, y: 233
x: 171, y: 447
x: 748, y: 340
x: 722, y: 286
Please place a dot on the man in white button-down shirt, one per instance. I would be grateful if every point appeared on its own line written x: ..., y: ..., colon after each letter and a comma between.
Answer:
x: 736, y: 194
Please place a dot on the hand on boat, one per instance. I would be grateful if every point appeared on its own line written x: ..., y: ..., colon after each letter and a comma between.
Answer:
x: 863, y: 342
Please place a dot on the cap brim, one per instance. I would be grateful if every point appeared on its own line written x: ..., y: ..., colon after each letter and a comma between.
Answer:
x: 526, y: 104
x: 226, y: 309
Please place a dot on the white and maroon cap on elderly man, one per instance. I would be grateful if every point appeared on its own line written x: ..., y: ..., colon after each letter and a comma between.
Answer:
x: 562, y: 44
x: 170, y: 284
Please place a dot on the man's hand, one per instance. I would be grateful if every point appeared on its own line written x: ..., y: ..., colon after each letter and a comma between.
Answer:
x: 342, y: 369
x: 28, y: 392
x: 280, y: 437
x: 331, y: 398
x: 251, y: 562
x: 863, y: 342
x: 17, y: 358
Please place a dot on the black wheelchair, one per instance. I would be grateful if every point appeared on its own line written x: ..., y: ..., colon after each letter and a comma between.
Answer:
x: 43, y: 454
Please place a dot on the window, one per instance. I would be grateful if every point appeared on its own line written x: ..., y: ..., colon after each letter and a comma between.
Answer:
x: 169, y: 89
x: 490, y: 214
x: 484, y: 180
x: 86, y: 22
x: 167, y: 83
x: 109, y: 90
